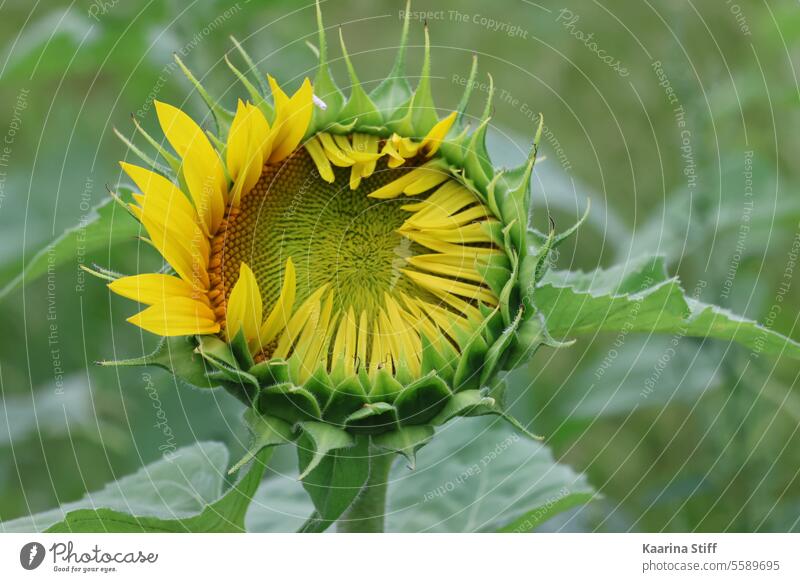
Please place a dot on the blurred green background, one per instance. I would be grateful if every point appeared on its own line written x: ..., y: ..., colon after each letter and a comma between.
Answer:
x: 679, y: 120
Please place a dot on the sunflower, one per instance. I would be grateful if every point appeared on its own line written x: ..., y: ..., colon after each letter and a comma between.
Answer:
x: 350, y: 261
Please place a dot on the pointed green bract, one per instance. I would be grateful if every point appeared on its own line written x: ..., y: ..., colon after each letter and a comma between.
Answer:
x: 394, y: 90
x: 406, y: 441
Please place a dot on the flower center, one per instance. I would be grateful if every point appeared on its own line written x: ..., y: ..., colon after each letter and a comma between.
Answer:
x: 377, y: 265
x: 334, y: 235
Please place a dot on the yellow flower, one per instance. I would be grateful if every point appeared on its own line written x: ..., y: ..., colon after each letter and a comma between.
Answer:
x: 350, y: 261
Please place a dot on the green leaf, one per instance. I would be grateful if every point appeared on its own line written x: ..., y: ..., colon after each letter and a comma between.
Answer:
x: 106, y: 225
x: 406, y: 441
x: 538, y: 515
x: 640, y: 300
x: 631, y: 373
x: 712, y: 321
x: 636, y: 275
x: 224, y: 515
x: 479, y: 475
x: 335, y: 482
x: 183, y: 492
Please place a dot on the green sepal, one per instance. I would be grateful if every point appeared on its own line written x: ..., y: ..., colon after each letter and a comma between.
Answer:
x: 255, y: 95
x: 289, y: 402
x: 495, y: 230
x: 373, y: 418
x: 513, y: 178
x: 241, y: 351
x: 476, y: 159
x: 335, y: 482
x: 470, y: 364
x: 478, y: 163
x: 173, y: 161
x: 518, y: 426
x: 543, y: 256
x: 461, y: 109
x: 267, y: 431
x: 150, y: 162
x: 385, y: 387
x: 562, y: 236
x: 222, y: 117
x: 394, y: 89
x: 251, y: 68
x: 417, y: 116
x: 422, y: 400
x: 324, y: 86
x: 215, y: 351
x: 531, y: 334
x: 345, y: 398
x: 320, y: 439
x: 320, y: 386
x: 359, y: 108
x: 499, y: 349
x: 434, y: 361
x: 406, y: 441
x: 271, y: 372
x: 493, y: 323
x: 495, y: 270
x: 513, y: 207
x: 466, y: 403
x: 178, y: 356
x: 225, y: 369
x: 342, y: 128
x: 509, y: 298
x: 237, y: 383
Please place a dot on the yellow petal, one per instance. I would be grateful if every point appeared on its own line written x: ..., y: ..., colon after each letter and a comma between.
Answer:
x: 317, y: 153
x: 395, y: 159
x: 292, y: 118
x: 248, y: 141
x: 244, y: 308
x: 334, y: 152
x: 298, y: 322
x: 177, y: 316
x: 151, y: 288
x: 278, y: 318
x: 439, y: 285
x: 436, y: 135
x: 238, y: 136
x: 185, y: 255
x: 202, y: 168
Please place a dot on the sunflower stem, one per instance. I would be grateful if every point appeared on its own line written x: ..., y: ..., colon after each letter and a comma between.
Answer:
x: 368, y: 511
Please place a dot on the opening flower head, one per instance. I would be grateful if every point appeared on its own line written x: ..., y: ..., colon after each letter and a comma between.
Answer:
x: 353, y: 262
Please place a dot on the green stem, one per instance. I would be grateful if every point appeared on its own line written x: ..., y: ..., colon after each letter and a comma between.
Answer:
x: 366, y: 514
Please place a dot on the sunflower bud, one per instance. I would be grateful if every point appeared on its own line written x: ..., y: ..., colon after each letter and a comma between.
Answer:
x: 345, y: 270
